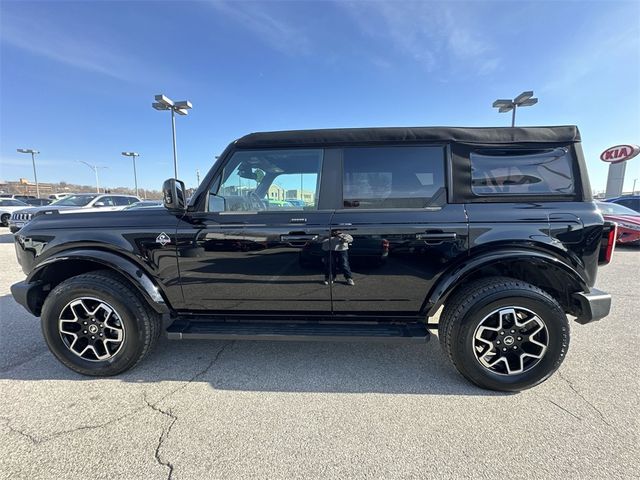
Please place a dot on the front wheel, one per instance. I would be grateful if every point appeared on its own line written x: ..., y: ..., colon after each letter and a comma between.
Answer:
x: 4, y: 219
x: 97, y: 324
x: 504, y: 334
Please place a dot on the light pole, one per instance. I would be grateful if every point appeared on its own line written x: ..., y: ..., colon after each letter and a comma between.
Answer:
x: 198, y: 176
x: 95, y: 171
x: 133, y: 156
x: 525, y: 99
x: 181, y: 108
x: 33, y: 160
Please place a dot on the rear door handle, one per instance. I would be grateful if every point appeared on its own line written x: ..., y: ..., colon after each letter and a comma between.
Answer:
x: 298, y: 238
x: 437, y: 237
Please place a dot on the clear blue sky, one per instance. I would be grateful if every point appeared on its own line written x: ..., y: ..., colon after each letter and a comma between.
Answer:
x: 77, y: 78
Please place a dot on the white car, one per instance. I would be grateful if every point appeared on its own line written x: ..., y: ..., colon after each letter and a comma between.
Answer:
x: 59, y: 196
x: 76, y: 203
x: 8, y: 206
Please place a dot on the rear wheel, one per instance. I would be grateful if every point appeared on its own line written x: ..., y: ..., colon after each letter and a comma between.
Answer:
x: 4, y: 219
x: 504, y: 334
x: 96, y: 324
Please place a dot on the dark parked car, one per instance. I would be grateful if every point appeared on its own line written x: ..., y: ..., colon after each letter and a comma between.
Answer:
x: 497, y: 225
x: 629, y: 201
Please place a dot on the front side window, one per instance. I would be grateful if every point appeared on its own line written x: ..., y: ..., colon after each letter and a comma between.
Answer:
x: 393, y: 177
x: 121, y: 201
x: 259, y: 180
x: 522, y: 172
x: 106, y: 201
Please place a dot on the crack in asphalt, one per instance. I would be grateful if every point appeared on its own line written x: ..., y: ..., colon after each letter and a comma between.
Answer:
x: 37, y: 441
x: 7, y: 423
x: 584, y: 399
x: 564, y: 409
x: 163, y: 436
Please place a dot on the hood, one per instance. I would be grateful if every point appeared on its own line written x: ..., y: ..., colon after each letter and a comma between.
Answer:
x: 47, y: 208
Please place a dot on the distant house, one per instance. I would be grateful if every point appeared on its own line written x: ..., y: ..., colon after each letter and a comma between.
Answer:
x: 276, y: 192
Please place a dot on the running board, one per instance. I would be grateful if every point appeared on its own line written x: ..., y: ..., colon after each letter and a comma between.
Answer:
x: 299, y: 331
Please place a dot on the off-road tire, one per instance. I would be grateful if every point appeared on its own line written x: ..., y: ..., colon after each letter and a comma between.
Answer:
x: 467, y: 307
x: 141, y: 323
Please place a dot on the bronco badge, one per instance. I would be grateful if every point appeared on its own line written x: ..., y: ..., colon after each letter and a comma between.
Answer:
x: 163, y: 239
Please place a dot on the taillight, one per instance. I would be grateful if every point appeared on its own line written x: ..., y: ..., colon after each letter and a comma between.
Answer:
x: 608, y: 244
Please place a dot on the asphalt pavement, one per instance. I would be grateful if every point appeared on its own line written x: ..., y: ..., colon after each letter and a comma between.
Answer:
x: 319, y: 410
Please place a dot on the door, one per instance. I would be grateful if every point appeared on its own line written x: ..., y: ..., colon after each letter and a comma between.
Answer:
x: 254, y: 246
x: 399, y: 230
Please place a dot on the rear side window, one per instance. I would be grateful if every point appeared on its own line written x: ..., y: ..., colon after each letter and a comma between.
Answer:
x: 522, y: 172
x: 393, y: 177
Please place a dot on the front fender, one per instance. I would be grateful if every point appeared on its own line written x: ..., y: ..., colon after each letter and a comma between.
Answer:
x: 450, y: 280
x: 132, y: 272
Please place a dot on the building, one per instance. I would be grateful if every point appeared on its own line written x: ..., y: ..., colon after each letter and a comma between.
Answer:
x: 306, y: 196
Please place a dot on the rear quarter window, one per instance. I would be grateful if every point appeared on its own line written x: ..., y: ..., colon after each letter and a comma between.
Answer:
x: 522, y: 172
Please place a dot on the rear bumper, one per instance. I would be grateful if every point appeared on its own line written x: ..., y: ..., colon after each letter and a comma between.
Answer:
x: 593, y: 306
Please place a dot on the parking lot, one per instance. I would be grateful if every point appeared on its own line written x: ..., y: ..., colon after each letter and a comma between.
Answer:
x: 319, y: 410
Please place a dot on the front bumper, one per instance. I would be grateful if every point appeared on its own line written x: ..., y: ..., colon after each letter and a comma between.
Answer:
x: 29, y: 295
x: 592, y: 306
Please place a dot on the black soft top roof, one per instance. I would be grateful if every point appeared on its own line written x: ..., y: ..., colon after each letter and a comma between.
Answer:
x: 473, y: 135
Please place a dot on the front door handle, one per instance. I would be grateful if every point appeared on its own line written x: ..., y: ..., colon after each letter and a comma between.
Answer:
x: 437, y: 237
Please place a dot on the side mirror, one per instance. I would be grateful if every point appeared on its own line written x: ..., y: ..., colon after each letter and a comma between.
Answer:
x: 173, y: 194
x: 99, y: 204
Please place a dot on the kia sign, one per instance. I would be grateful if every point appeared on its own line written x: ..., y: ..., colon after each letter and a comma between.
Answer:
x: 619, y: 153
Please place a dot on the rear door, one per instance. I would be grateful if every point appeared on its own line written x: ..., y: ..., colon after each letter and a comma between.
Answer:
x: 404, y: 233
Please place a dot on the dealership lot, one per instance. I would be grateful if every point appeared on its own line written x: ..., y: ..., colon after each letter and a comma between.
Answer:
x: 282, y: 410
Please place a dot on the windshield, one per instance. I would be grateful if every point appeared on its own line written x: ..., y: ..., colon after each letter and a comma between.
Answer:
x: 615, y: 209
x: 10, y: 202
x: 75, y: 200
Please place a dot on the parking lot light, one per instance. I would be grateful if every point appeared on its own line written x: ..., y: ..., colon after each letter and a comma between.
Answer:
x: 95, y: 171
x: 133, y: 156
x: 162, y: 102
x: 33, y: 160
x: 525, y: 99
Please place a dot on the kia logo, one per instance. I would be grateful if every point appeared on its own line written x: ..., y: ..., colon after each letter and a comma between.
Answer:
x: 619, y: 153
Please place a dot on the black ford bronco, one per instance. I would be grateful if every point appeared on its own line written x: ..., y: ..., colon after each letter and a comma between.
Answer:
x: 349, y: 234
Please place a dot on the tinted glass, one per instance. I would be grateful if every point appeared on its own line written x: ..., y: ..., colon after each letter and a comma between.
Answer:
x: 260, y: 180
x: 631, y: 203
x: 76, y: 200
x: 393, y: 177
x: 121, y: 201
x: 513, y: 172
